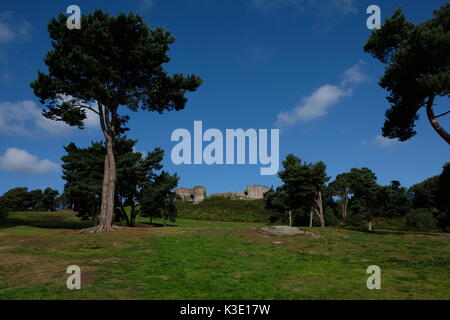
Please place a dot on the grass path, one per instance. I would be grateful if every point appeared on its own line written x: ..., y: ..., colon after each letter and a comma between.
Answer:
x: 195, y: 259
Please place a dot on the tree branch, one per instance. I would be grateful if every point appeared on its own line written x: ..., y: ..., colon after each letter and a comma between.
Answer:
x: 89, y: 108
x: 442, y: 114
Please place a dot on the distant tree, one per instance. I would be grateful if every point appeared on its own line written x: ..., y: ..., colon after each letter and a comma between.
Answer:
x: 133, y: 171
x: 443, y: 198
x: 394, y: 200
x: 303, y: 185
x: 276, y: 203
x: 418, y: 70
x: 424, y: 194
x: 158, y: 197
x: 3, y: 209
x: 83, y: 173
x: 49, y: 197
x: 366, y: 191
x: 82, y: 169
x: 110, y: 62
x: 36, y: 199
x: 341, y: 187
x: 17, y: 199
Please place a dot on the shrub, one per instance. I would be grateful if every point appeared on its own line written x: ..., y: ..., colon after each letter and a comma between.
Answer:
x: 223, y: 209
x: 330, y: 217
x: 3, y: 213
x: 422, y: 219
x: 355, y: 220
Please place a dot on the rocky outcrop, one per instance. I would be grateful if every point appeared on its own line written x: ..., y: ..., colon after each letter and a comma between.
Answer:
x: 285, y: 231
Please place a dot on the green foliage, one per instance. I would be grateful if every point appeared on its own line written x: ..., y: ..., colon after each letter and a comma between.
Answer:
x: 422, y: 220
x: 443, y: 197
x: 158, y: 197
x: 301, y: 183
x: 3, y: 212
x: 357, y: 220
x: 276, y: 204
x: 83, y: 172
x: 393, y: 200
x: 17, y: 199
x: 112, y: 61
x: 341, y: 187
x: 365, y: 190
x: 37, y: 198
x: 223, y: 209
x: 330, y: 216
x: 417, y: 70
x: 434, y: 193
x: 49, y: 198
x: 424, y: 194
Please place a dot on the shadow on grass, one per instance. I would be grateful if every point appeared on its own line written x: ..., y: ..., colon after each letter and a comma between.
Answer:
x: 154, y: 225
x: 47, y: 221
x: 392, y: 232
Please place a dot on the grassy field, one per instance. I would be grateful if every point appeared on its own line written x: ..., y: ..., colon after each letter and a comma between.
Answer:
x: 194, y: 259
x: 222, y: 209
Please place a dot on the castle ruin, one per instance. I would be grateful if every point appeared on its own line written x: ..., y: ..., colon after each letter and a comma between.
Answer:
x: 198, y: 193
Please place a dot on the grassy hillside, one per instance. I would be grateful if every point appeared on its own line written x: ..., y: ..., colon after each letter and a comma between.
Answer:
x: 222, y: 209
x: 194, y: 259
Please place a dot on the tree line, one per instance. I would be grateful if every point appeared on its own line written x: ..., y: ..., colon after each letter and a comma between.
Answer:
x: 307, y: 197
x: 142, y: 188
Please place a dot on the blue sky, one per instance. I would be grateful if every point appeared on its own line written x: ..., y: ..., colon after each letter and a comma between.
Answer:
x: 294, y: 64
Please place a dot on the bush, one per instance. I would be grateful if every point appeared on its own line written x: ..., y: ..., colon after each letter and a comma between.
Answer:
x: 223, y: 209
x: 422, y: 219
x: 330, y: 217
x: 3, y: 213
x: 355, y: 220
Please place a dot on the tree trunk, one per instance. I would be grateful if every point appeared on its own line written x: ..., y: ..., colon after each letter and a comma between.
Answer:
x: 434, y: 123
x: 344, y: 207
x: 108, y: 189
x: 311, y: 218
x: 125, y: 216
x: 370, y: 225
x: 133, y: 214
x: 319, y: 208
x: 290, y: 218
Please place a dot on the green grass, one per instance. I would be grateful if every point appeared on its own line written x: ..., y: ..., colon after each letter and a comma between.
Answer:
x: 194, y: 259
x: 223, y: 209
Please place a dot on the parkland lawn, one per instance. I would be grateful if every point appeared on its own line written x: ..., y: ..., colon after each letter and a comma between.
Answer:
x: 194, y: 259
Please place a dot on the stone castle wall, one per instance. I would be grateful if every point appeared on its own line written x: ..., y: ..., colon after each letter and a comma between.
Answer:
x: 197, y: 194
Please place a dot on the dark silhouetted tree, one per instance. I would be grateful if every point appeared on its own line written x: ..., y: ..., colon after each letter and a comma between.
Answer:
x: 418, y: 70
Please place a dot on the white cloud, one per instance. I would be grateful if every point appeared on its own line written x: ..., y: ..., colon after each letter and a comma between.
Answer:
x: 12, y: 29
x: 355, y: 75
x: 25, y: 118
x: 146, y: 5
x: 21, y: 161
x: 312, y: 107
x: 322, y: 99
x: 385, y: 142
